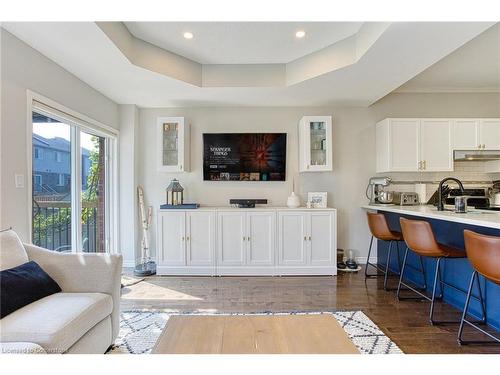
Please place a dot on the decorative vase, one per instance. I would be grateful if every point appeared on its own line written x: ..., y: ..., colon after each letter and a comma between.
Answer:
x: 293, y: 201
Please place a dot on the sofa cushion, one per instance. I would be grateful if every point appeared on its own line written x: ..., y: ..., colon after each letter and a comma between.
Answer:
x: 22, y: 285
x: 56, y: 322
x: 12, y: 252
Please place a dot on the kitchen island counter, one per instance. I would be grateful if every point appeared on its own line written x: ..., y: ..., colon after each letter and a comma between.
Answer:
x: 481, y: 218
x: 448, y: 228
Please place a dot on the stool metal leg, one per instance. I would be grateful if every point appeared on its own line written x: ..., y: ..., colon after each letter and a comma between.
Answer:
x: 495, y: 340
x: 387, y: 263
x: 414, y: 289
x: 371, y: 264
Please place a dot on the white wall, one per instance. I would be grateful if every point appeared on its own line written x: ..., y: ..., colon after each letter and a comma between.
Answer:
x: 353, y: 153
x: 128, y: 167
x: 23, y: 68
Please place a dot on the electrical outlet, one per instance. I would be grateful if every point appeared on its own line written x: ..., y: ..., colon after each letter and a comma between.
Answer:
x: 19, y: 180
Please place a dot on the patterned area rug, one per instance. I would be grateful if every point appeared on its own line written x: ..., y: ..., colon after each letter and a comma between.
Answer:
x: 139, y: 331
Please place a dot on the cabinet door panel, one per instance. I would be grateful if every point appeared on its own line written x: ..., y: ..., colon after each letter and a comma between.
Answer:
x: 490, y: 134
x: 291, y: 232
x: 200, y: 238
x: 435, y: 141
x: 465, y: 134
x: 260, y: 233
x: 231, y: 242
x: 321, y: 242
x: 172, y: 239
x: 404, y: 143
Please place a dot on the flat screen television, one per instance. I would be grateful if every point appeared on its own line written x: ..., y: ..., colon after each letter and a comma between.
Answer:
x: 244, y: 156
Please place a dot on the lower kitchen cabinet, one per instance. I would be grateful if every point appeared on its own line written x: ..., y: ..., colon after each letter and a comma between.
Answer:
x: 246, y: 242
x: 307, y: 242
x: 186, y: 243
x: 222, y: 241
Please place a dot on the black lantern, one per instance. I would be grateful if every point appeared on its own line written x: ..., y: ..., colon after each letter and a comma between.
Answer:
x: 175, y: 193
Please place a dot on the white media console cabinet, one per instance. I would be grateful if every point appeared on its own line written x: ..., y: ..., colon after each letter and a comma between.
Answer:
x: 218, y: 241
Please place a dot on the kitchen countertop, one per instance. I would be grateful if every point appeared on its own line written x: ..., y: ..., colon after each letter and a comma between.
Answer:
x: 482, y: 218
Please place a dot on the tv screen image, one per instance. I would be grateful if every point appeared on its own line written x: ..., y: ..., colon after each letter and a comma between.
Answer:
x: 244, y: 156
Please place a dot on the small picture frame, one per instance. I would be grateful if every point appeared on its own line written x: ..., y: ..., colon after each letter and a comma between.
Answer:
x: 317, y: 199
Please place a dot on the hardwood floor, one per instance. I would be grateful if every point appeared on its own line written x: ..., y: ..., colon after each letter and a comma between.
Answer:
x: 405, y: 322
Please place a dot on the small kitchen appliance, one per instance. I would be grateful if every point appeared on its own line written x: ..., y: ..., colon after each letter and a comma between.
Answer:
x: 375, y: 189
x: 406, y: 198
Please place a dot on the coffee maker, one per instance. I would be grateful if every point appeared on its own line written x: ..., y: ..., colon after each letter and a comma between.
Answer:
x: 375, y: 187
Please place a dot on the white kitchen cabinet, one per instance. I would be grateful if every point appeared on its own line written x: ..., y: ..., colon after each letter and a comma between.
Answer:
x: 292, y: 238
x: 315, y: 144
x: 307, y: 242
x: 200, y: 238
x: 466, y: 134
x: 489, y: 134
x: 322, y: 249
x: 436, y: 145
x: 258, y: 241
x: 172, y: 144
x: 260, y: 238
x: 397, y: 145
x: 172, y: 239
x: 476, y: 134
x: 246, y: 242
x: 412, y: 145
x: 186, y: 243
x: 231, y: 238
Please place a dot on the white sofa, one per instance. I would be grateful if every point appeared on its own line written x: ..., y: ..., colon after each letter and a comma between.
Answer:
x: 83, y: 318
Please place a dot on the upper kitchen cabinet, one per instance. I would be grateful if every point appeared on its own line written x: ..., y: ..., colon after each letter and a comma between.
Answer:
x: 436, y: 145
x: 173, y: 144
x: 412, y: 145
x: 315, y: 144
x: 476, y: 134
x: 489, y: 134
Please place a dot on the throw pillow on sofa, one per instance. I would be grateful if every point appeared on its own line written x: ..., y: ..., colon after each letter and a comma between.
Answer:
x: 22, y: 285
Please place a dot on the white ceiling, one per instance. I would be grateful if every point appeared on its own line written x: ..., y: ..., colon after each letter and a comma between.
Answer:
x: 473, y: 68
x: 242, y: 42
x: 383, y: 61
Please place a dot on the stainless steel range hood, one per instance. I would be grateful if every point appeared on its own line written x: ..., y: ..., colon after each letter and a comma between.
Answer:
x: 476, y: 155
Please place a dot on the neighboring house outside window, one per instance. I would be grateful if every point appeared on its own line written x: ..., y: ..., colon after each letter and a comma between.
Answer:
x: 37, y: 181
x: 58, y: 156
x: 61, y: 181
x: 38, y: 153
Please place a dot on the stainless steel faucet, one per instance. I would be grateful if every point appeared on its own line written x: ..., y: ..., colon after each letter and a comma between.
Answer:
x: 440, y: 206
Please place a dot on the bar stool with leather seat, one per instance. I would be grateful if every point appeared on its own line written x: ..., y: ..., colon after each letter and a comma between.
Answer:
x: 420, y: 239
x: 483, y: 253
x: 381, y: 231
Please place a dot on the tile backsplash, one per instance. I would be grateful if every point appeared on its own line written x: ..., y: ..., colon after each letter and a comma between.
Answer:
x: 471, y: 173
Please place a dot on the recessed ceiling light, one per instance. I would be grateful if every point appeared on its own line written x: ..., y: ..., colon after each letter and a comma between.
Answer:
x: 300, y: 34
x: 188, y: 35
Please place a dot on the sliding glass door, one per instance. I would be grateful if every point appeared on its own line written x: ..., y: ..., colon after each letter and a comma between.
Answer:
x: 70, y: 186
x: 51, y: 185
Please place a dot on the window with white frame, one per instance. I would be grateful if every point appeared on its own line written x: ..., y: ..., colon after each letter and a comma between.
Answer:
x: 74, y: 209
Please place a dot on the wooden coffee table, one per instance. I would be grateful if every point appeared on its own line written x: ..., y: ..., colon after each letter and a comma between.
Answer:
x: 254, y: 334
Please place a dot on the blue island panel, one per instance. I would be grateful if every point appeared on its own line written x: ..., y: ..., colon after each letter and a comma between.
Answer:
x: 454, y: 271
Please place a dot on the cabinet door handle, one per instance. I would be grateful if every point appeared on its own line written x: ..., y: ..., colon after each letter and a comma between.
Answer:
x: 425, y: 166
x: 305, y: 238
x: 309, y: 238
x: 244, y: 238
x: 484, y: 146
x: 479, y: 146
x: 248, y: 238
x: 182, y: 238
x: 180, y: 167
x: 187, y: 238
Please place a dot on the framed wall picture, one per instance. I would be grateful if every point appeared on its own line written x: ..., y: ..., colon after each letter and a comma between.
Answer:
x: 317, y: 199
